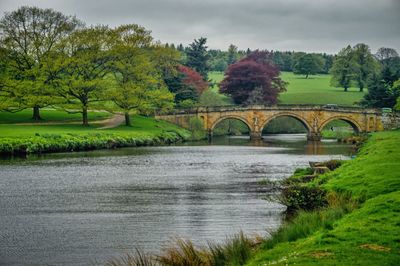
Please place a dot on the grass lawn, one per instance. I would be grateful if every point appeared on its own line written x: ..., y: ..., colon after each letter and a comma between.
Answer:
x: 314, y: 90
x: 141, y: 126
x: 368, y: 234
x: 48, y: 115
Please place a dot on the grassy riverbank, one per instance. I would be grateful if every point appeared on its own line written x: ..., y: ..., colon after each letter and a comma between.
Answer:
x: 359, y: 224
x: 46, y: 137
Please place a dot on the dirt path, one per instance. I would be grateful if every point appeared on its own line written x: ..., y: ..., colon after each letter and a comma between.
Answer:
x: 112, y: 122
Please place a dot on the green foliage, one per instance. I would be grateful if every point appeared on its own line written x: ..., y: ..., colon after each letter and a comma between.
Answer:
x: 197, y: 128
x: 303, y: 197
x: 366, y: 65
x: 343, y: 68
x: 211, y: 98
x: 308, y: 64
x: 138, y: 86
x: 381, y: 94
x: 30, y: 36
x: 80, y: 69
x: 197, y: 57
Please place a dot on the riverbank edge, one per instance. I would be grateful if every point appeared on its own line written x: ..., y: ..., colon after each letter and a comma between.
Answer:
x: 332, y: 233
x: 70, y: 142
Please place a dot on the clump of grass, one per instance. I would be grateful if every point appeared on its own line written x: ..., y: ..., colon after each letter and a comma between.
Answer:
x: 306, y: 223
x: 182, y: 252
x: 138, y: 258
x: 235, y: 251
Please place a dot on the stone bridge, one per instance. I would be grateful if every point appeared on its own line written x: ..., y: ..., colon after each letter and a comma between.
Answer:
x: 313, y: 117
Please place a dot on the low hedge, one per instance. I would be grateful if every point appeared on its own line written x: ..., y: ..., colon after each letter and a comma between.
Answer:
x: 46, y: 143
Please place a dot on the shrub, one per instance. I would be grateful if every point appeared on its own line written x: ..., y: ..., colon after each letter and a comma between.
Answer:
x: 299, y: 196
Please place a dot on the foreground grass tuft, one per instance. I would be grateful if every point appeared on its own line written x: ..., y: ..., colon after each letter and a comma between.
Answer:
x: 235, y: 252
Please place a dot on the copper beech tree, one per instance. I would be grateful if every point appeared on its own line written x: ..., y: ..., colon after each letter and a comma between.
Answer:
x: 253, y: 80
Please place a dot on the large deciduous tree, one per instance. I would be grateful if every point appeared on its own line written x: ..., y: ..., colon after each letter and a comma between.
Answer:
x: 343, y: 68
x: 30, y: 35
x: 390, y: 64
x: 197, y: 57
x: 79, y: 73
x: 365, y: 65
x: 253, y: 80
x: 308, y: 64
x: 139, y: 87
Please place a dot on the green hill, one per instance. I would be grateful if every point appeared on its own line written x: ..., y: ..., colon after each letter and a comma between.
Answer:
x: 314, y: 90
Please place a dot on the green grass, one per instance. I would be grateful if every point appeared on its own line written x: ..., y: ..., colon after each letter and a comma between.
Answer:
x: 16, y: 138
x: 365, y: 235
x: 140, y: 126
x: 216, y: 78
x: 48, y: 115
x: 314, y: 90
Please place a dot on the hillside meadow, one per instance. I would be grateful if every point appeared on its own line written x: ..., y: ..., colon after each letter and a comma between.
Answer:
x: 316, y: 89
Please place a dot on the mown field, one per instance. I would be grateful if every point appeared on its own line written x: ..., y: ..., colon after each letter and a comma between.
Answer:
x: 49, y: 116
x: 360, y: 225
x: 21, y: 138
x: 314, y: 90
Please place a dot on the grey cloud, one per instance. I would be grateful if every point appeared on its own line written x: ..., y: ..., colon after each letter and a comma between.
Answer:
x: 322, y: 26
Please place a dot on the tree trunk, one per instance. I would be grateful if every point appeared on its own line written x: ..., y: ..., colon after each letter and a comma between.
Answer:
x: 127, y: 119
x: 361, y: 89
x: 85, y: 121
x: 345, y: 88
x: 36, y: 113
x: 306, y: 76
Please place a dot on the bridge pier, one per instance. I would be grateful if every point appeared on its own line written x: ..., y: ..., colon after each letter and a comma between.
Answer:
x: 209, y: 134
x: 255, y: 135
x: 314, y: 136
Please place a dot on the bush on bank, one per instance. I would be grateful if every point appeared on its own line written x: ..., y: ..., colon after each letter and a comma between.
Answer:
x: 45, y: 143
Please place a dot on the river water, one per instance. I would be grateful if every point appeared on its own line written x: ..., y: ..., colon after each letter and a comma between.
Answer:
x: 83, y: 208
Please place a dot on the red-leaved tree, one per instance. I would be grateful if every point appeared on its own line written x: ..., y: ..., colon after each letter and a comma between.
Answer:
x: 253, y: 80
x: 192, y: 78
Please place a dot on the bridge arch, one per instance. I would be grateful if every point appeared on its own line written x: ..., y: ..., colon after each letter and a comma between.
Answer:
x: 354, y: 124
x: 222, y: 118
x: 287, y: 114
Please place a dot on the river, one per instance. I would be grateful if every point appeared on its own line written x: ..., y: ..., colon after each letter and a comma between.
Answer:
x: 82, y: 208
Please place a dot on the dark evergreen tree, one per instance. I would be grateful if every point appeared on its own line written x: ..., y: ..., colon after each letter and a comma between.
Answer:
x: 197, y: 57
x: 380, y: 94
x: 232, y: 54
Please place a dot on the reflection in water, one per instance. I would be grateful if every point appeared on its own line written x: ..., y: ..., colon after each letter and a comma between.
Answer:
x: 73, y: 208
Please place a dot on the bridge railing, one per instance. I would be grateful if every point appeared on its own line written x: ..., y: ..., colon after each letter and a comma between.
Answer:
x: 294, y: 107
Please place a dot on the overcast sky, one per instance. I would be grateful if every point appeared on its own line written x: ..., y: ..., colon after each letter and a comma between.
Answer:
x: 299, y: 25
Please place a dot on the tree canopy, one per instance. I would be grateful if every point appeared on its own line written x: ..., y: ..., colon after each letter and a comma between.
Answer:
x: 308, y: 64
x: 253, y: 80
x: 197, y: 57
x: 30, y: 35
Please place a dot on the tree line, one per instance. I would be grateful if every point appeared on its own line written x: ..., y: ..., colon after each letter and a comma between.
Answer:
x: 51, y: 59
